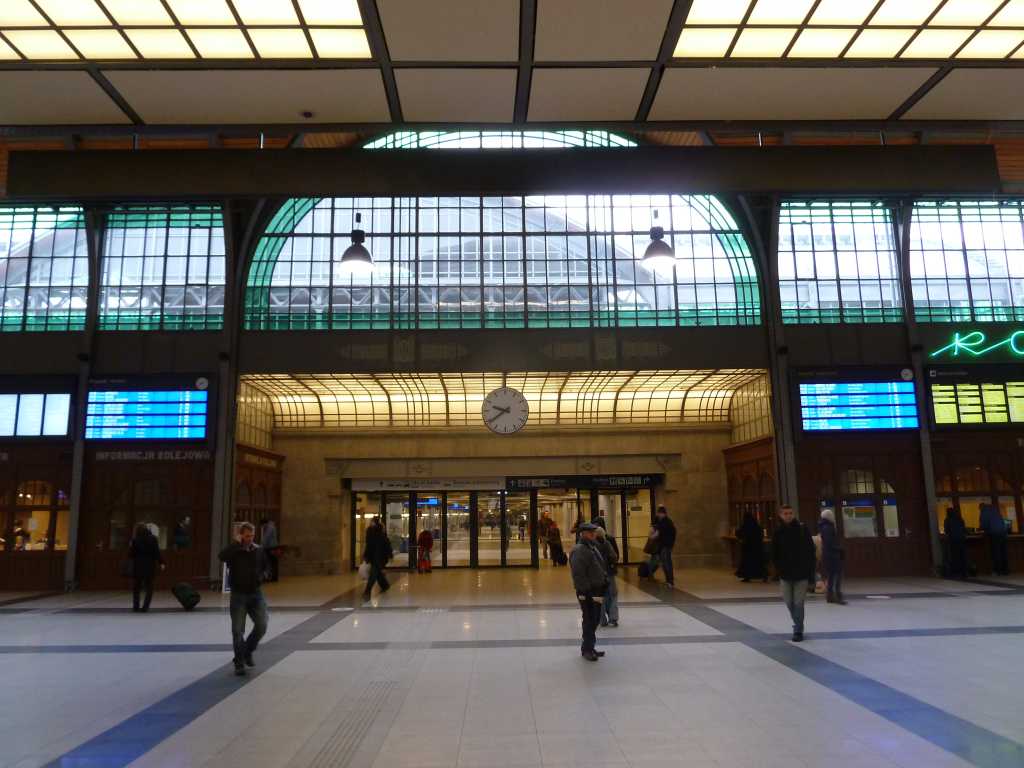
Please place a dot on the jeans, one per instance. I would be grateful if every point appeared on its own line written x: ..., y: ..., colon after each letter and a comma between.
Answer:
x: 142, y: 583
x: 997, y: 545
x: 610, y: 606
x: 253, y: 605
x: 376, y: 577
x: 794, y: 593
x: 591, y: 610
x: 664, y: 559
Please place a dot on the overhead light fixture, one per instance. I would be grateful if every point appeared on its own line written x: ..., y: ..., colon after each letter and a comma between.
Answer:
x: 820, y: 43
x: 99, y: 44
x: 344, y: 12
x: 762, y: 43
x: 133, y: 12
x: 356, y: 260
x: 160, y: 43
x: 266, y: 11
x: 659, y: 255
x: 202, y: 12
x: 75, y: 13
x: 704, y: 42
x: 20, y: 13
x: 340, y: 43
x: 280, y: 43
x: 40, y: 44
x: 220, y: 43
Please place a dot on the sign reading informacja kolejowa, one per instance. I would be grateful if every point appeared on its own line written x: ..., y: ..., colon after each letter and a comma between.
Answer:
x: 153, y: 455
x: 976, y: 344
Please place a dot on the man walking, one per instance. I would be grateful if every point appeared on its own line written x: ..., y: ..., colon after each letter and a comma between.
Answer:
x: 247, y: 564
x: 793, y: 555
x: 665, y: 536
x: 377, y: 552
x: 590, y: 579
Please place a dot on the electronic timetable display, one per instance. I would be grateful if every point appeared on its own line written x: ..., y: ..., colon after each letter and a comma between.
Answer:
x: 35, y: 415
x: 843, y: 406
x: 177, y: 414
x: 974, y: 402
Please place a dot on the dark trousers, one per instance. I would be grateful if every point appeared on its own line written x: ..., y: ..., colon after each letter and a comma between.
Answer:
x: 591, y: 610
x: 253, y: 605
x: 376, y: 577
x: 142, y: 582
x: 1000, y: 559
x: 271, y: 565
x: 664, y: 559
x: 834, y: 574
x: 957, y: 558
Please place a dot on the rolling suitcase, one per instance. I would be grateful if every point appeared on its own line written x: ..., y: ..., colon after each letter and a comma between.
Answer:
x: 186, y: 595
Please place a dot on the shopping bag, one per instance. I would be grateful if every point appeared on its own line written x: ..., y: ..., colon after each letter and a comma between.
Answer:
x: 364, y: 571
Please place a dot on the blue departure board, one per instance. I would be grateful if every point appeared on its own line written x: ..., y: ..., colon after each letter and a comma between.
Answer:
x: 858, y: 405
x: 147, y: 415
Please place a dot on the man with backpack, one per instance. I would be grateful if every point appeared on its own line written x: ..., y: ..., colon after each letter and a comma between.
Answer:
x: 794, y: 558
x: 247, y: 565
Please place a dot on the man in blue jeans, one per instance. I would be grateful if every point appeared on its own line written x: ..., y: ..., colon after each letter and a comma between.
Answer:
x: 794, y: 557
x: 247, y: 565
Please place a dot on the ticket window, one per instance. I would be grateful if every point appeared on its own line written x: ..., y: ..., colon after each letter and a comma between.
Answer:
x: 40, y: 518
x: 1008, y: 509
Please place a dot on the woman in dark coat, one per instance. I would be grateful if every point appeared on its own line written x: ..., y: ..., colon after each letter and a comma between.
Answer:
x: 144, y: 551
x: 751, y: 537
x: 555, y: 544
x: 831, y: 556
x: 956, y: 543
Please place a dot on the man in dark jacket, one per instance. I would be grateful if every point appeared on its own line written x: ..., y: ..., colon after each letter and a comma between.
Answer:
x: 377, y: 552
x: 793, y: 555
x: 666, y: 540
x: 590, y: 579
x: 247, y: 565
x: 956, y: 544
x: 831, y: 556
x: 144, y: 551
x: 994, y: 526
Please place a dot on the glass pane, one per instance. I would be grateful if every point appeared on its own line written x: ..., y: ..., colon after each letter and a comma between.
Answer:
x: 891, y: 517
x: 970, y: 509
x: 638, y: 510
x: 517, y: 515
x: 457, y: 535
x: 558, y: 511
x: 397, y: 513
x: 859, y: 518
x: 1008, y: 509
x: 367, y: 507
x: 488, y: 521
x: 942, y: 505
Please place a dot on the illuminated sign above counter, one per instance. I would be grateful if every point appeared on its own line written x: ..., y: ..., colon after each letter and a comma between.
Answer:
x: 979, y: 344
x: 979, y: 396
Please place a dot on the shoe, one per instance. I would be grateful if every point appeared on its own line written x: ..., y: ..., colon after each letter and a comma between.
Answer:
x: 830, y: 598
x: 840, y: 599
x: 589, y: 655
x: 604, y: 623
x: 613, y: 623
x: 248, y: 660
x: 599, y: 654
x: 745, y: 581
x: 798, y: 637
x: 366, y: 596
x: 385, y: 589
x: 239, y: 668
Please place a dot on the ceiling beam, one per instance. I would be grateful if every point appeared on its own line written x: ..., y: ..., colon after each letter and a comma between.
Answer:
x: 921, y: 92
x: 527, y: 38
x: 115, y: 96
x: 676, y: 19
x: 379, y: 51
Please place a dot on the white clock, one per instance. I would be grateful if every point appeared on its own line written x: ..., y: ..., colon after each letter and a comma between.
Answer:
x: 505, y: 411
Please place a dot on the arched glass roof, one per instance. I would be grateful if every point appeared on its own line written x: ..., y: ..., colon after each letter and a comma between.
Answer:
x: 498, y: 140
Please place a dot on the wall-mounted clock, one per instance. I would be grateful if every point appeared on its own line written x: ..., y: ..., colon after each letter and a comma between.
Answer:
x: 505, y: 411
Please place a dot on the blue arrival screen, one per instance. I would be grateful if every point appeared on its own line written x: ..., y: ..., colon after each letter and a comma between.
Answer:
x: 858, y: 405
x: 146, y: 415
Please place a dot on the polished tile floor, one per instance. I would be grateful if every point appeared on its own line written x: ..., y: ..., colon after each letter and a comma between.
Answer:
x: 481, y: 668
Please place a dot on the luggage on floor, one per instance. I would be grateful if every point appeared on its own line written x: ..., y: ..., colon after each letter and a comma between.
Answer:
x: 561, y: 558
x: 186, y: 595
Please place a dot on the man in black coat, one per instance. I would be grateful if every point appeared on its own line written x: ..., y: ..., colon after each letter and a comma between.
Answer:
x: 144, y: 551
x: 666, y: 540
x: 247, y: 566
x: 590, y: 580
x: 377, y: 552
x: 831, y: 556
x: 793, y: 555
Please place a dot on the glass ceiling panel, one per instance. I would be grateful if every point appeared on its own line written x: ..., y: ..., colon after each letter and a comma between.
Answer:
x: 159, y: 30
x: 438, y: 400
x: 853, y: 29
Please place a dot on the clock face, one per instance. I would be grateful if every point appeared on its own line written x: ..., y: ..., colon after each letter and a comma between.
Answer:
x: 505, y: 411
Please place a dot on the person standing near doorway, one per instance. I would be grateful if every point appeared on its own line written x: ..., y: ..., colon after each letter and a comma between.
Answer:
x: 751, y: 538
x: 956, y: 544
x: 377, y: 553
x: 665, y: 538
x: 831, y: 557
x: 610, y: 553
x: 270, y: 543
x: 247, y: 564
x: 994, y: 526
x: 543, y: 526
x: 793, y: 555
x: 144, y: 552
x: 590, y: 580
x: 424, y: 547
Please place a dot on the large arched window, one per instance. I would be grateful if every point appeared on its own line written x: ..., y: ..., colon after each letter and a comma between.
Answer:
x: 498, y: 140
x: 44, y: 268
x: 163, y: 268
x: 541, y: 261
x: 838, y: 263
x: 967, y: 260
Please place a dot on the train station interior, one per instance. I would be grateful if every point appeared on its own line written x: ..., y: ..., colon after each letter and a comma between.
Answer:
x: 416, y: 293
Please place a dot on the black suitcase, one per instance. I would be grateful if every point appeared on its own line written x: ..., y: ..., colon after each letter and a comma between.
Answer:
x: 186, y: 595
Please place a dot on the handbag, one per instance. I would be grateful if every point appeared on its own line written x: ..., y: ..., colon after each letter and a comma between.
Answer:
x: 651, y: 547
x: 364, y: 571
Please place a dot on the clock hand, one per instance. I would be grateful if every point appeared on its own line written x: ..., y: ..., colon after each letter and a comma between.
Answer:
x: 501, y: 410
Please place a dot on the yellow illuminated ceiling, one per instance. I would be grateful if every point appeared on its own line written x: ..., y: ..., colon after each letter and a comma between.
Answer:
x: 853, y: 29
x: 125, y: 30
x: 578, y: 399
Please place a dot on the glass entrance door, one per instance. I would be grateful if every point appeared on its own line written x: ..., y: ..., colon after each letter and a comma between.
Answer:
x: 518, y: 550
x: 457, y: 529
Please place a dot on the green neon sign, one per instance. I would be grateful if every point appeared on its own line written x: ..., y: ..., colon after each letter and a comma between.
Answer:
x: 977, y: 344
